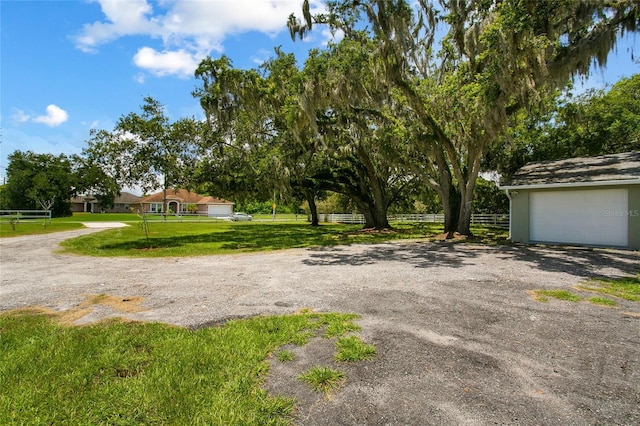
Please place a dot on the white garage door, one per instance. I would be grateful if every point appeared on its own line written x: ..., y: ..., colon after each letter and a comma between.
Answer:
x: 218, y: 210
x: 594, y: 217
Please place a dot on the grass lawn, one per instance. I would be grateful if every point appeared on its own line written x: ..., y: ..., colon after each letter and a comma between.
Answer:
x: 58, y: 224
x: 134, y: 218
x: 208, y: 236
x: 35, y: 227
x: 194, y: 239
x: 131, y: 217
x: 130, y: 373
x: 100, y: 217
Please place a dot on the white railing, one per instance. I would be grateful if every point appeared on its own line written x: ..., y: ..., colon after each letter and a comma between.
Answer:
x: 354, y: 218
x: 418, y: 217
x: 501, y: 220
x: 18, y: 215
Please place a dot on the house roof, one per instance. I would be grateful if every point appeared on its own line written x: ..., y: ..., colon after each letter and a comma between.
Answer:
x: 212, y: 200
x: 613, y: 169
x: 127, y: 198
x: 184, y: 196
x: 123, y: 198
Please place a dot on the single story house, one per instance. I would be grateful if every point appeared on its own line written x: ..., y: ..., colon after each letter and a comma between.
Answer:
x: 592, y: 201
x: 89, y: 204
x: 181, y: 201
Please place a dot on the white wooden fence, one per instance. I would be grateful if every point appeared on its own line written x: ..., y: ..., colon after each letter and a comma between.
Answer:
x: 501, y: 220
x: 18, y: 215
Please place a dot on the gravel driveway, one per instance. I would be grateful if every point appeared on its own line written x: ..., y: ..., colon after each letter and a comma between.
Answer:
x: 459, y: 338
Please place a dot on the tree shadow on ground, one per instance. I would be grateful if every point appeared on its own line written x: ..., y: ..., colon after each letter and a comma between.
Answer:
x: 577, y: 261
x: 331, y: 248
x: 420, y: 255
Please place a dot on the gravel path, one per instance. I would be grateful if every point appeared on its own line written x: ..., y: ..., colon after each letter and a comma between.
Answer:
x: 459, y: 338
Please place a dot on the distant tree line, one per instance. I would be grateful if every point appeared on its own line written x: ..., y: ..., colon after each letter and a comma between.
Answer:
x: 597, y: 122
x: 48, y: 182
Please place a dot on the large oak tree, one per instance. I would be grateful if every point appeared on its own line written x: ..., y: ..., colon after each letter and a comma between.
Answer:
x: 466, y: 67
x: 328, y: 127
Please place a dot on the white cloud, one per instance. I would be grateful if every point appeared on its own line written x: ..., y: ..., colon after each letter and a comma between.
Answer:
x: 93, y: 125
x: 123, y: 18
x: 20, y: 116
x: 55, y: 116
x: 139, y: 78
x: 180, y: 62
x: 216, y: 19
x: 188, y: 29
x: 332, y: 36
x: 261, y: 56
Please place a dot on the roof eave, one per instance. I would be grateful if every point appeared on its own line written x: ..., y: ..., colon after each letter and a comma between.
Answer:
x: 573, y: 184
x: 215, y: 204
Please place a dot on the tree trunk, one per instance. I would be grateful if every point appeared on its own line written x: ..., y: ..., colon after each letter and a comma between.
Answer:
x: 451, y: 206
x: 375, y: 212
x: 377, y: 202
x: 448, y: 194
x: 464, y: 220
x: 376, y: 219
x: 467, y: 191
x: 466, y: 202
x: 311, y: 200
x: 380, y: 218
x: 369, y: 220
x: 365, y: 190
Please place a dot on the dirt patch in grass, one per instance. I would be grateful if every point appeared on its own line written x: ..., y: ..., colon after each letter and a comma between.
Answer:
x: 117, y: 304
x: 456, y: 237
x: 120, y: 305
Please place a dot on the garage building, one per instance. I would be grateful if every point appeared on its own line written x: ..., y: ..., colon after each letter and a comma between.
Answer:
x: 592, y: 201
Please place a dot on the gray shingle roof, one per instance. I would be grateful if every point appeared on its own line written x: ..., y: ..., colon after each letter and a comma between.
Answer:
x: 126, y: 197
x: 183, y: 196
x: 580, y: 170
x: 123, y: 198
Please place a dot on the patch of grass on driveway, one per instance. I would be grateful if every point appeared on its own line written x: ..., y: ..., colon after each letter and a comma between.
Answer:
x: 323, y: 379
x: 352, y: 348
x: 544, y: 295
x: 627, y: 288
x: 602, y: 301
x: 119, y: 372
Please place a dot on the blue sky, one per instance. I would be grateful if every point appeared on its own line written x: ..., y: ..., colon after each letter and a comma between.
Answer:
x: 69, y: 66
